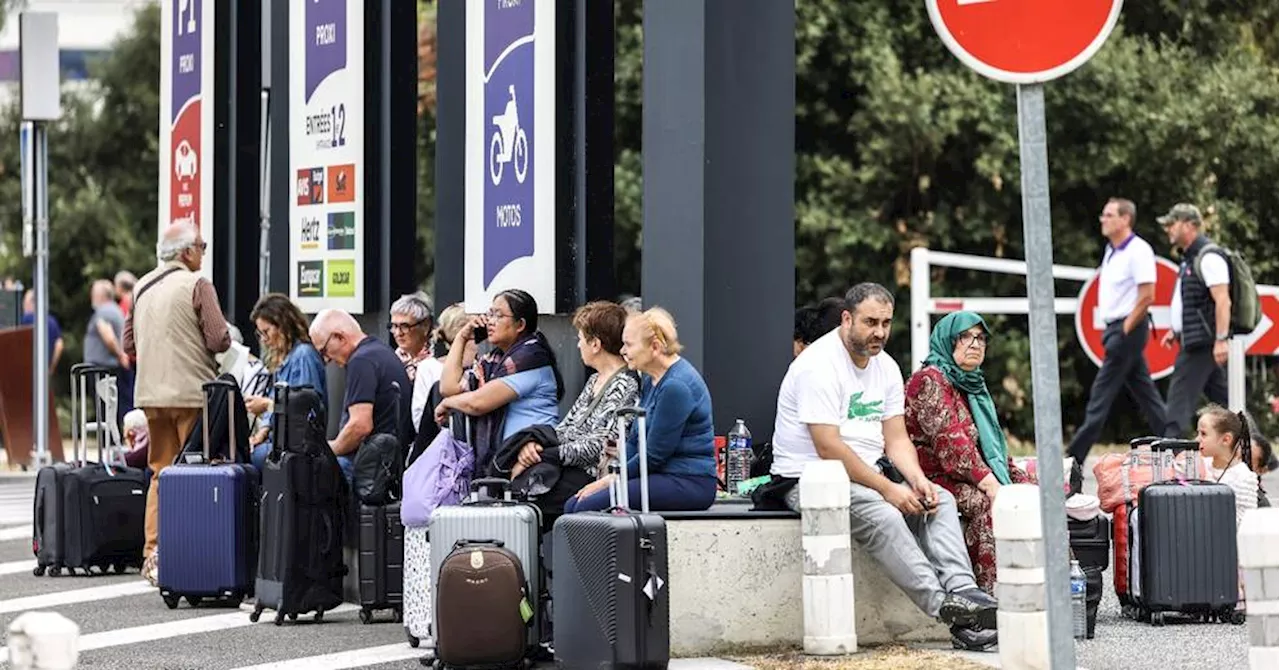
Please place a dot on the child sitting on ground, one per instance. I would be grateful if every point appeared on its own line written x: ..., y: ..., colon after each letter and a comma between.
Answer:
x: 1225, y: 444
x: 136, y: 439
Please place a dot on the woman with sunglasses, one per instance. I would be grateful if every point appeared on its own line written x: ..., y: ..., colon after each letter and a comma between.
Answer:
x: 288, y: 354
x: 411, y: 325
x: 514, y: 386
x: 952, y: 421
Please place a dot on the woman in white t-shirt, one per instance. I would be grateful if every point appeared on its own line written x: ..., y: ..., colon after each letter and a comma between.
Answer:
x: 1224, y: 443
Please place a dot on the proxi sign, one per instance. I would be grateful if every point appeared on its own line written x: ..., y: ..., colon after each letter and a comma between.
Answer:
x: 1023, y: 41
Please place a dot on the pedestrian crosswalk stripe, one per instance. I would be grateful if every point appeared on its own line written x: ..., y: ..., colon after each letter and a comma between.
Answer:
x: 352, y: 658
x: 16, y: 567
x: 15, y: 533
x: 161, y: 631
x: 131, y: 588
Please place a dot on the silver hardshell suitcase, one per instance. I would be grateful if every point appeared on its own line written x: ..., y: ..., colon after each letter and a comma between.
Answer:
x: 516, y: 524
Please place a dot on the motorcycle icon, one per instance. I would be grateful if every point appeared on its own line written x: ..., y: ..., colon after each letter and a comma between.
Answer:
x: 509, y: 143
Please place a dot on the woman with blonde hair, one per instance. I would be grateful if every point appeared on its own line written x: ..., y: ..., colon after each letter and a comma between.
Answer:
x: 452, y: 319
x: 679, y: 434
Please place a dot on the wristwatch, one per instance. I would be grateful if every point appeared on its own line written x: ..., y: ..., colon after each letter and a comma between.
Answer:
x: 1223, y: 338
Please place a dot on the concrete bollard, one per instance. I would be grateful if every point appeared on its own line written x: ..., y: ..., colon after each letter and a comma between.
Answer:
x: 829, y: 628
x: 43, y: 641
x: 1021, y: 619
x: 1259, y: 544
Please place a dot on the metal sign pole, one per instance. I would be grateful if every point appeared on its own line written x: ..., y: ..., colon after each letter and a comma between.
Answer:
x: 40, y: 200
x: 264, y: 207
x: 1045, y: 389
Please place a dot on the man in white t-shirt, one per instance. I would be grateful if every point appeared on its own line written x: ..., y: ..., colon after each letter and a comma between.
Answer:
x: 842, y: 400
x: 1201, y: 318
x: 1126, y: 288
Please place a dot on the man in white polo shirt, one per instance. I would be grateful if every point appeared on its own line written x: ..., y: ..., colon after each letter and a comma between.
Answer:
x: 1126, y: 288
x: 842, y: 400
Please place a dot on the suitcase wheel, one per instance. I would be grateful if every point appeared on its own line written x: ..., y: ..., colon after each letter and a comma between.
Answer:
x: 319, y: 616
x: 171, y: 602
x: 255, y: 615
x: 118, y: 568
x: 38, y: 571
x: 55, y: 571
x: 399, y: 615
x: 366, y: 616
x: 279, y: 619
x: 1236, y: 617
x: 293, y: 616
x: 1157, y: 618
x: 194, y: 601
x: 413, y: 641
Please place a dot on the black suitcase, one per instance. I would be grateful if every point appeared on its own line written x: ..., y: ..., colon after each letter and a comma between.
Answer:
x: 89, y: 514
x: 611, y: 608
x: 1187, y: 547
x: 381, y: 560
x: 303, y: 512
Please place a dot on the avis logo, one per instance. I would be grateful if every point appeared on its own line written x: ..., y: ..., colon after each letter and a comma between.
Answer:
x: 309, y: 186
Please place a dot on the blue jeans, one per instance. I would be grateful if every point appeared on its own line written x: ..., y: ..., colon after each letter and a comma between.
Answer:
x: 259, y: 458
x: 667, y: 493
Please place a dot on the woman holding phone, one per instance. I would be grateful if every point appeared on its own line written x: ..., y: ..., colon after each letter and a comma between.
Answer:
x: 514, y: 386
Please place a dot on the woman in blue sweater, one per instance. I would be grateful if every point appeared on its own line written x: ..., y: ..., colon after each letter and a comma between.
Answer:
x: 682, y: 469
x: 287, y: 351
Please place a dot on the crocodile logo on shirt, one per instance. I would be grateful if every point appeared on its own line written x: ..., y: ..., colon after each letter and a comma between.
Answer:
x: 865, y: 411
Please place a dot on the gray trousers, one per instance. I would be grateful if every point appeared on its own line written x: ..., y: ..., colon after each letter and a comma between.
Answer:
x: 1124, y: 367
x: 1194, y: 372
x: 925, y: 556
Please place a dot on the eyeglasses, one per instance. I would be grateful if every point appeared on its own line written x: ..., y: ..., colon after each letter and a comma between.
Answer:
x: 201, y: 245
x: 324, y: 349
x: 971, y: 339
x: 402, y: 327
x: 494, y: 315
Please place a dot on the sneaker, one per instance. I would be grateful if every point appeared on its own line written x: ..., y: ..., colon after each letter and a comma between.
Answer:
x: 151, y: 569
x: 972, y: 639
x: 970, y: 607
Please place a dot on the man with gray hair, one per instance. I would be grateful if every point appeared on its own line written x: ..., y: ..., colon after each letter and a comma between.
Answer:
x: 173, y: 331
x: 104, y: 341
x: 377, y: 395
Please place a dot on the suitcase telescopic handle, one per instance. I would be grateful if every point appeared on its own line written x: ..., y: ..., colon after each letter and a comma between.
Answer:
x: 624, y: 491
x: 209, y: 388
x: 480, y: 543
x: 1176, y: 446
x: 1138, y: 442
x: 502, y: 484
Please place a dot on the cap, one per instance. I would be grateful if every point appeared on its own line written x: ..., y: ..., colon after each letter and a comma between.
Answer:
x: 1182, y: 211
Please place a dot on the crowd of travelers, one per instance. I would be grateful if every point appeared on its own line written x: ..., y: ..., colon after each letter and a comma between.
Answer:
x: 925, y: 455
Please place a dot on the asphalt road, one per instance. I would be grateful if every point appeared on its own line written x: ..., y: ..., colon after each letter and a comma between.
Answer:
x: 124, y: 624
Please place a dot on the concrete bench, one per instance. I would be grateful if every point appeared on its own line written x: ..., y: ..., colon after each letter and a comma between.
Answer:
x: 735, y: 583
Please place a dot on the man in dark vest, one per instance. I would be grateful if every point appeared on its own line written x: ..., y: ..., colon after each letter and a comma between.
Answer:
x: 1201, y: 321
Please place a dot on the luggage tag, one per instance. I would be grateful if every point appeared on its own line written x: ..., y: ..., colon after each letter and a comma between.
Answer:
x: 526, y: 610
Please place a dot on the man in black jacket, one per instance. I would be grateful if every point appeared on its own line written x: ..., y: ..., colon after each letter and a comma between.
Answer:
x: 1201, y: 320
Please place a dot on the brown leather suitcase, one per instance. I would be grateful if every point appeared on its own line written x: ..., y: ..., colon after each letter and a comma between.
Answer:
x: 481, y: 581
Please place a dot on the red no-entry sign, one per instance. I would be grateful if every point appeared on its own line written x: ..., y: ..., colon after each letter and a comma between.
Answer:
x: 1023, y: 41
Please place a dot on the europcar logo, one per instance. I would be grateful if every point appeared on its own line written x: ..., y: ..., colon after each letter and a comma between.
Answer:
x: 311, y: 279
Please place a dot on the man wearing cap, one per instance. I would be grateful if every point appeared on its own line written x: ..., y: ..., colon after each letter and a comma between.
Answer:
x: 1126, y: 288
x: 1201, y: 320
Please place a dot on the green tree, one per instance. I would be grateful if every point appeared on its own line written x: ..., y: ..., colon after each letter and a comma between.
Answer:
x: 898, y: 146
x: 102, y: 180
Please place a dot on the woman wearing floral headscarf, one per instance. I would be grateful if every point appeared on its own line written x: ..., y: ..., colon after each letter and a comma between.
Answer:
x: 952, y: 421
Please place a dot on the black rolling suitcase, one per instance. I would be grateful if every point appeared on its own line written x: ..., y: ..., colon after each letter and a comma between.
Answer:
x: 303, y: 512
x: 381, y: 560
x: 1187, y: 546
x: 611, y: 608
x: 87, y: 514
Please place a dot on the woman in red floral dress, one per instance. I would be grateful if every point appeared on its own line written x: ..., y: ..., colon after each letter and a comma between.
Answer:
x: 952, y: 421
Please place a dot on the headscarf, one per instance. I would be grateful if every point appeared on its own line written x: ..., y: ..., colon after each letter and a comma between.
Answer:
x: 942, y: 346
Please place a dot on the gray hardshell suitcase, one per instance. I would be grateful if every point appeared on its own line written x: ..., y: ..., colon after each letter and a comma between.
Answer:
x: 516, y: 524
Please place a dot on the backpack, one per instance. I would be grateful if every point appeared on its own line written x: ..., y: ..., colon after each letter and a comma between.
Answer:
x: 1246, y: 307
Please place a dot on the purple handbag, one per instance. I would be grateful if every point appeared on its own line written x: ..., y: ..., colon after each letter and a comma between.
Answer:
x: 441, y: 476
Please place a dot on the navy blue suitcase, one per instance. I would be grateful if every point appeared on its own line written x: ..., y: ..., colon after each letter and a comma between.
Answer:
x: 208, y: 522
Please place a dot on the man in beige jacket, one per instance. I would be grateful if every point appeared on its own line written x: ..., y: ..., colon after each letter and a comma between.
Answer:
x: 173, y: 331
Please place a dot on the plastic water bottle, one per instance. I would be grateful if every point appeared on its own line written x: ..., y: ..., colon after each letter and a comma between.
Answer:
x: 738, y: 456
x: 1078, y: 594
